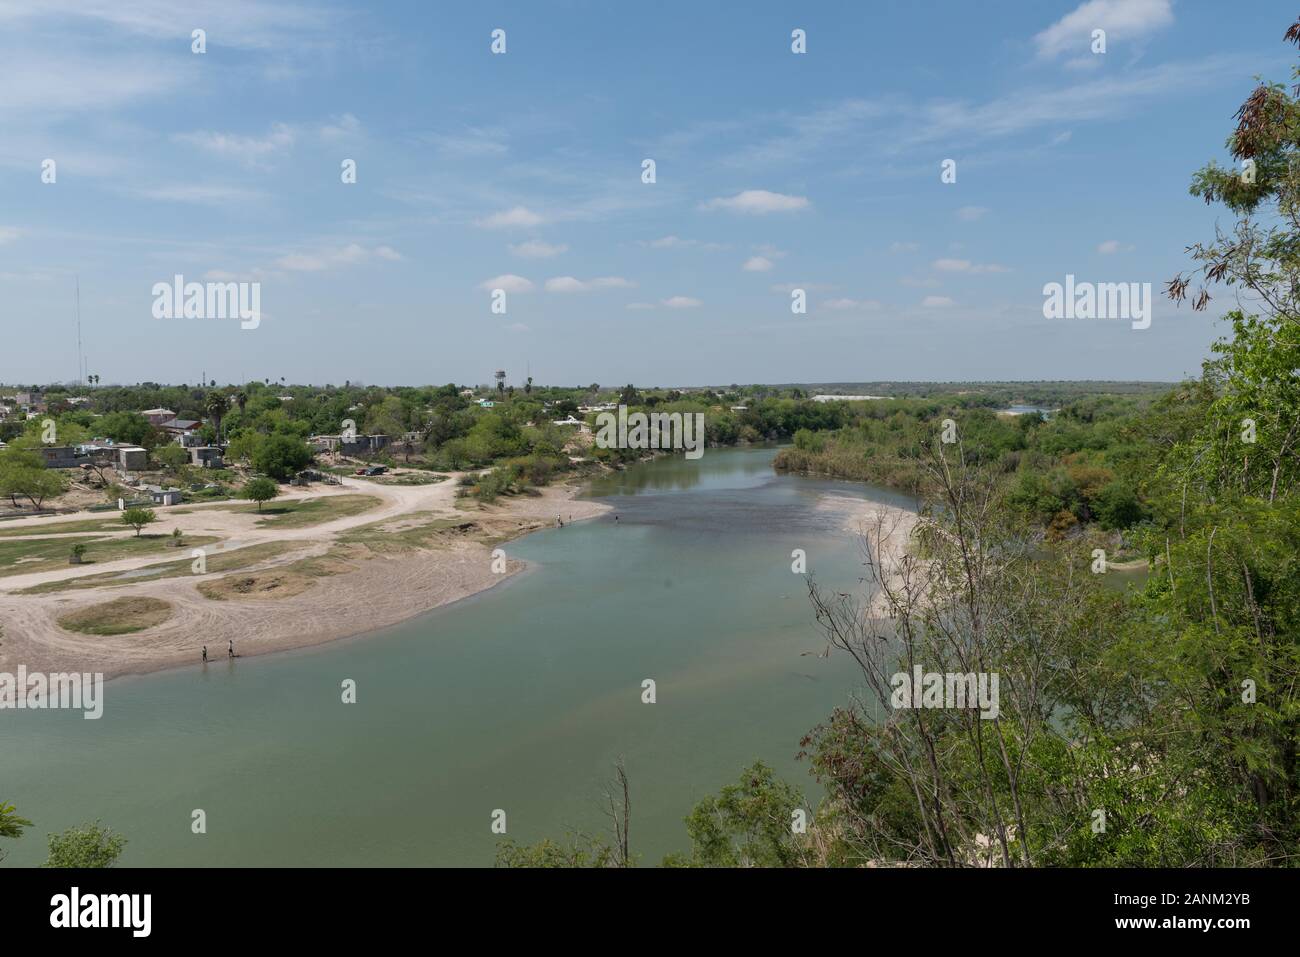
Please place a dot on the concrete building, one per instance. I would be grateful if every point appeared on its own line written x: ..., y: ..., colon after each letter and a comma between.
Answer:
x: 206, y: 457
x: 363, y: 445
x: 165, y: 496
x: 132, y: 458
x: 60, y: 457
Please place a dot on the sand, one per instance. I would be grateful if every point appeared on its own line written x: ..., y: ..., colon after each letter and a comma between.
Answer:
x: 374, y: 591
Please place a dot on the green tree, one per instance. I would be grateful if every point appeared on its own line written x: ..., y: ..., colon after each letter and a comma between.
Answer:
x: 11, y: 825
x: 23, y: 472
x: 138, y: 518
x: 260, y: 490
x: 217, y: 405
x: 747, y: 824
x: 281, y: 456
x: 171, y: 456
x: 85, y: 845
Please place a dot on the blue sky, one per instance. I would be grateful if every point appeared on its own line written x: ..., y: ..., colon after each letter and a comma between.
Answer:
x: 774, y: 170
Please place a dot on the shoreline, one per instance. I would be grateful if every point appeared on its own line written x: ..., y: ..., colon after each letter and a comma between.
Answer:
x: 364, y: 590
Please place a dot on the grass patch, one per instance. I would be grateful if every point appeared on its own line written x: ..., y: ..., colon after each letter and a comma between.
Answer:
x: 301, y: 513
x: 121, y: 616
x: 43, y: 554
x: 220, y: 562
x: 408, y: 533
x: 408, y: 478
x: 64, y: 528
x: 293, y: 579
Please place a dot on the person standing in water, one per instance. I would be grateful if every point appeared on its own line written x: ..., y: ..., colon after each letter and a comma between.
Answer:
x: 205, y: 654
x: 231, y: 650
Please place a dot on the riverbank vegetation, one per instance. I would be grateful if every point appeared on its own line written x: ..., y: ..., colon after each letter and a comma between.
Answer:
x: 1158, y: 727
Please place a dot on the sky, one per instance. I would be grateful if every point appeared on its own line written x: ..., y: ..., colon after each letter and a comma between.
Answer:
x: 524, y: 171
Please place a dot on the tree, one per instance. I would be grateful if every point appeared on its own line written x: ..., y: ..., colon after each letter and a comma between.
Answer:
x: 281, y: 456
x: 171, y: 456
x: 138, y: 518
x: 217, y: 405
x: 260, y: 490
x: 22, y: 472
x: 86, y: 845
x: 11, y: 825
x: 128, y: 427
x: 747, y: 824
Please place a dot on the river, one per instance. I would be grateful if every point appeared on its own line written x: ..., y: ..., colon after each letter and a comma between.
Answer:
x: 519, y: 699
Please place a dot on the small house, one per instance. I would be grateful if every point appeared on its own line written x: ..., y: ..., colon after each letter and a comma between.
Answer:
x: 206, y: 457
x: 158, y: 416
x: 132, y: 458
x: 165, y: 496
x: 60, y: 457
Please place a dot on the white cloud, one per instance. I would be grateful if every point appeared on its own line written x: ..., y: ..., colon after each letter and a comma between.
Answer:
x: 676, y: 242
x: 248, y: 149
x: 788, y: 287
x: 508, y: 282
x: 968, y: 214
x: 340, y: 128
x: 851, y: 305
x: 8, y: 234
x: 349, y: 255
x: 757, y: 264
x: 1112, y: 246
x: 239, y: 23
x: 1121, y: 19
x: 570, y: 284
x: 681, y: 302
x: 203, y: 194
x: 536, y: 249
x: 517, y: 216
x: 472, y: 143
x: 966, y: 266
x: 904, y: 247
x: 758, y: 201
x: 936, y: 302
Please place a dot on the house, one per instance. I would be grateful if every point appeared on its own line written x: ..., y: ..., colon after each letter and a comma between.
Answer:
x: 206, y: 457
x: 324, y: 443
x: 132, y: 458
x: 164, y: 496
x: 466, y: 393
x: 363, y: 445
x: 183, y: 431
x: 32, y: 399
x: 158, y: 416
x: 60, y: 457
x: 567, y: 421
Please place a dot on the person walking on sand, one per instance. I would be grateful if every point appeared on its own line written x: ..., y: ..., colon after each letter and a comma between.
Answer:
x: 205, y: 654
x: 231, y: 650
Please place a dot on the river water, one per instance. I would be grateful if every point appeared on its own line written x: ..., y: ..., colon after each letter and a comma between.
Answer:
x: 518, y: 699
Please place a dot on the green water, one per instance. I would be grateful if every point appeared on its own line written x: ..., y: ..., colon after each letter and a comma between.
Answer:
x: 520, y: 698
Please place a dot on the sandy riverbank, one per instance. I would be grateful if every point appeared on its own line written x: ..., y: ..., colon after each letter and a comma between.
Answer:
x: 323, y: 586
x: 886, y: 534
